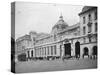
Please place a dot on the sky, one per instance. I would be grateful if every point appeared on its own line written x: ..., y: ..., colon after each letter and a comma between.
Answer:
x: 41, y: 17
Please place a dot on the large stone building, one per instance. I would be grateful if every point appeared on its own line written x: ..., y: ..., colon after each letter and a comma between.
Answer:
x: 88, y: 27
x: 78, y: 40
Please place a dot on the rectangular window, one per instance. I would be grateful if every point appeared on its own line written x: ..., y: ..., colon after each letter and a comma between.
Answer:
x: 89, y: 28
x: 95, y: 15
x: 55, y: 49
x: 83, y: 20
x: 84, y: 30
x: 96, y: 29
x: 89, y: 17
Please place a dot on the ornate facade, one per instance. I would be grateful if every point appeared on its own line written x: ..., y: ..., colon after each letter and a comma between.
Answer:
x: 78, y: 40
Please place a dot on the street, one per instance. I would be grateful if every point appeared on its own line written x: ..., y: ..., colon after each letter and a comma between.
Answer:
x: 55, y: 65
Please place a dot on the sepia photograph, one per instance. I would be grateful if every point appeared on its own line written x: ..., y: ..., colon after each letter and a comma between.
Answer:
x: 53, y: 37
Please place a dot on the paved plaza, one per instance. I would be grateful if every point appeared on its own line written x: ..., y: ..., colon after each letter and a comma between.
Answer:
x: 55, y: 65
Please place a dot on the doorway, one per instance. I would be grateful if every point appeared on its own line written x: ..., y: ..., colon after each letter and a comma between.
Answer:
x: 77, y: 49
x: 85, y: 52
x: 67, y: 49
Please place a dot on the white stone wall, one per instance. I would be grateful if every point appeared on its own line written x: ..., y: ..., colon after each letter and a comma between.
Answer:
x: 89, y: 46
x: 86, y: 16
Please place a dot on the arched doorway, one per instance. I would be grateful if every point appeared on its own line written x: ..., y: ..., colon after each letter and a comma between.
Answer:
x: 77, y: 49
x: 32, y: 54
x: 94, y: 51
x: 67, y: 47
x: 28, y: 55
x: 85, y: 52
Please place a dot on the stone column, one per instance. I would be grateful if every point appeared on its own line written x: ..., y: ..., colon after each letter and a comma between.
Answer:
x: 49, y: 50
x: 30, y: 53
x: 42, y: 52
x: 26, y: 54
x: 16, y: 58
x: 63, y: 51
x: 46, y: 51
x: 33, y: 53
x: 38, y: 53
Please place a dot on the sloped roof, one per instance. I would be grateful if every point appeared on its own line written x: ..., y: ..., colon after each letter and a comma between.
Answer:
x: 70, y: 27
x: 25, y: 37
x: 42, y: 35
x: 86, y: 8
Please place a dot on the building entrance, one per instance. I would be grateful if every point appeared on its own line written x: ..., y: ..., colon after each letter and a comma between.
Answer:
x: 94, y: 50
x: 67, y: 49
x: 77, y: 49
x: 85, y: 52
